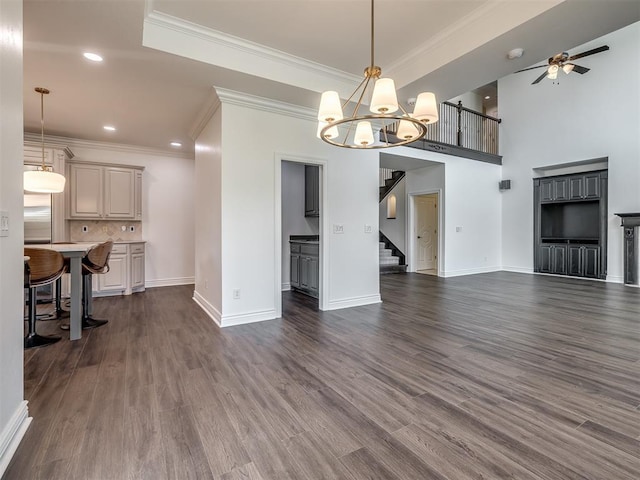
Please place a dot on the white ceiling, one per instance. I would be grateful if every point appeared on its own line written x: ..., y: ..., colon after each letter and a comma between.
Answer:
x: 153, y: 97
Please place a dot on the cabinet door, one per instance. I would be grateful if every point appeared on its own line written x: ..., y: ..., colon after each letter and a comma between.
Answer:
x: 576, y: 188
x: 295, y: 271
x: 591, y: 261
x: 120, y: 197
x: 138, y: 195
x: 313, y: 276
x: 560, y: 189
x: 137, y: 270
x: 116, y: 278
x: 311, y: 191
x: 545, y: 258
x: 575, y: 264
x: 559, y: 257
x: 546, y: 190
x: 592, y: 185
x: 304, y: 273
x: 86, y: 191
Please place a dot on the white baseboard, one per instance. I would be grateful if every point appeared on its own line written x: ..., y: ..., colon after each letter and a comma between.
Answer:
x: 354, y: 302
x: 286, y: 286
x: 469, y: 271
x: 517, y: 269
x: 12, y: 434
x: 209, y: 309
x: 617, y: 279
x: 170, y: 282
x: 251, y: 317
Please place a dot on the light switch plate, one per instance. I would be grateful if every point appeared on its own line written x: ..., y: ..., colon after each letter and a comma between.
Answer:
x: 338, y: 228
x: 4, y: 224
x: 368, y: 229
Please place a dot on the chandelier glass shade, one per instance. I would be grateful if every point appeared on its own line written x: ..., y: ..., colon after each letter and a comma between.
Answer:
x: 385, y: 124
x: 44, y: 179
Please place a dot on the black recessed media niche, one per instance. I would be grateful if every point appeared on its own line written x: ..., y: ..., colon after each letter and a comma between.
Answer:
x: 570, y: 224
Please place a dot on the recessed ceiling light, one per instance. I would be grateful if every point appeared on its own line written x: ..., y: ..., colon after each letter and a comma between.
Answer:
x: 487, y: 97
x: 94, y: 57
x: 176, y: 144
x: 109, y: 128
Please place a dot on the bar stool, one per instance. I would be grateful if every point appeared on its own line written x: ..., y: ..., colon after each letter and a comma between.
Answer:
x: 44, y: 267
x: 96, y: 261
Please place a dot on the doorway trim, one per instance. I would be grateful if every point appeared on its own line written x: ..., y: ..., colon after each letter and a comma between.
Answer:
x: 411, y: 222
x: 323, y: 294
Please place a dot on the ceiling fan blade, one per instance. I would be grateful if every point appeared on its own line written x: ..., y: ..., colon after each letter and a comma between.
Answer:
x: 604, y: 48
x: 539, y: 79
x: 531, y: 68
x: 579, y: 69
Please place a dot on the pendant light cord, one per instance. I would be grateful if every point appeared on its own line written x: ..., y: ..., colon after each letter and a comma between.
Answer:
x: 372, y: 35
x: 42, y: 127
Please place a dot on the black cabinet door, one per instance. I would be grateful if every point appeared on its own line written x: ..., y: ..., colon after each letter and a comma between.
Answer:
x: 311, y: 191
x: 545, y: 258
x: 304, y: 272
x: 313, y: 275
x: 295, y: 271
x: 576, y: 261
x: 546, y: 190
x: 592, y: 185
x: 576, y: 188
x: 591, y: 256
x: 559, y: 259
x: 560, y: 189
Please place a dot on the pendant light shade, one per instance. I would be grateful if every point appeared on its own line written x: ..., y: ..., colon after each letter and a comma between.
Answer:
x: 568, y: 68
x: 330, y: 133
x: 44, y: 179
x: 384, y: 99
x: 330, y: 108
x: 364, y: 134
x: 553, y: 72
x: 407, y: 130
x: 426, y: 109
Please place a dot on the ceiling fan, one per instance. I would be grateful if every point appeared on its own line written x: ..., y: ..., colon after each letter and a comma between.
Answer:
x: 563, y: 61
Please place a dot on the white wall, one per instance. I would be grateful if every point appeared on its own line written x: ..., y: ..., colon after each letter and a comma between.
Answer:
x: 13, y: 410
x: 588, y: 116
x: 249, y: 212
x: 168, y: 219
x: 395, y: 228
x: 293, y: 220
x: 208, y: 209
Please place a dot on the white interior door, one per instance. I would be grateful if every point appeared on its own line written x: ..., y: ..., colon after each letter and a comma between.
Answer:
x: 426, y: 231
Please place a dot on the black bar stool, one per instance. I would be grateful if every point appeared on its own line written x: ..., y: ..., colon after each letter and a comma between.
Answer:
x: 44, y: 267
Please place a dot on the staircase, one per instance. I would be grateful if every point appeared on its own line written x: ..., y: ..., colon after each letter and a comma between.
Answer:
x: 391, y: 259
x: 389, y: 179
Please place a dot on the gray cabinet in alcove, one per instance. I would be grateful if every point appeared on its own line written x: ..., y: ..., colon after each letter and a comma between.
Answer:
x: 311, y: 191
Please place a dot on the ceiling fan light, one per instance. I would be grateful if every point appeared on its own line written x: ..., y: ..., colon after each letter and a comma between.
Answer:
x: 384, y: 99
x: 330, y: 133
x: 330, y: 109
x: 407, y: 130
x: 364, y: 134
x: 426, y: 109
x: 568, y: 68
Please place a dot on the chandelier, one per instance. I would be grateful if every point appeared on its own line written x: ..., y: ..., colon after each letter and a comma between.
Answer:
x: 44, y: 179
x: 383, y: 117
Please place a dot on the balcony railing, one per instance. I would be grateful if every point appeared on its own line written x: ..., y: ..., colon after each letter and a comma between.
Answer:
x: 462, y: 127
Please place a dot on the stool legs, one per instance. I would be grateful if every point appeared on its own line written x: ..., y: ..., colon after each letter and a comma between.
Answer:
x: 87, y: 320
x: 32, y: 339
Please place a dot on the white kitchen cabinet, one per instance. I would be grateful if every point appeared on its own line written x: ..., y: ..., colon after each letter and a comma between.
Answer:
x: 105, y: 192
x: 126, y: 271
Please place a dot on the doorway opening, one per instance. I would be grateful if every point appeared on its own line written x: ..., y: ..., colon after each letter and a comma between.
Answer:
x: 300, y: 229
x: 424, y: 228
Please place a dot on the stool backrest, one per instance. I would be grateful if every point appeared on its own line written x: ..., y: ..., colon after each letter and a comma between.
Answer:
x: 97, y: 259
x: 45, y: 266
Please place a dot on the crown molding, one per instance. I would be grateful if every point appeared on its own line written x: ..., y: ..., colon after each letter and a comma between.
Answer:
x: 265, y: 104
x: 68, y: 143
x: 181, y: 37
x: 209, y: 108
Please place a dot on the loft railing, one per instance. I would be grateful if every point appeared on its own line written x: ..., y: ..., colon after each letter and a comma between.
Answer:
x: 385, y: 174
x: 463, y: 127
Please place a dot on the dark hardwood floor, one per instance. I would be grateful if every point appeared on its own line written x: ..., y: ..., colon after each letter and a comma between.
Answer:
x: 489, y: 376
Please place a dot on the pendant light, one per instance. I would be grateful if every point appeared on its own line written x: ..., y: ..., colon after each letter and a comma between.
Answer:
x: 385, y: 117
x: 44, y: 179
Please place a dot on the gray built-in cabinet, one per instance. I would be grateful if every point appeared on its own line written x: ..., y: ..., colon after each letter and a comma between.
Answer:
x: 570, y: 224
x: 305, y: 269
x: 311, y: 191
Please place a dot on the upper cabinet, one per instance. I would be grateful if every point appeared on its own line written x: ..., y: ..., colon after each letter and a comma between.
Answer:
x: 105, y: 192
x: 570, y: 188
x: 311, y: 191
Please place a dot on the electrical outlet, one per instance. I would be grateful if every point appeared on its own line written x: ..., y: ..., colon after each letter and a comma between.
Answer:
x: 458, y: 229
x: 4, y: 224
x: 85, y: 229
x: 132, y: 228
x: 105, y: 229
x: 123, y: 228
x: 236, y: 294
